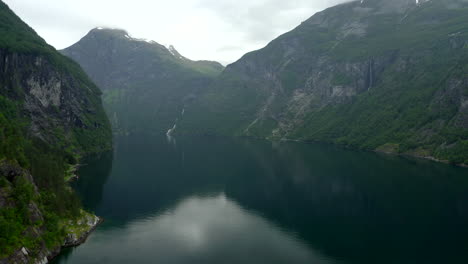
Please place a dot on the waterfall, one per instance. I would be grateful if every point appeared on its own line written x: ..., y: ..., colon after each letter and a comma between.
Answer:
x: 170, y: 131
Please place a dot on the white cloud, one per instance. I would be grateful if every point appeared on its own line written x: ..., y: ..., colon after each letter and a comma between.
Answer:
x: 221, y: 30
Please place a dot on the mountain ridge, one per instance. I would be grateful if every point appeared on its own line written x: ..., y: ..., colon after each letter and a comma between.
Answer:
x: 385, y: 76
x: 330, y: 77
x: 153, y: 81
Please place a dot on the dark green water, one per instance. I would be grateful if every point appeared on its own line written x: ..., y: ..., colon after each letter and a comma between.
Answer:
x: 223, y: 200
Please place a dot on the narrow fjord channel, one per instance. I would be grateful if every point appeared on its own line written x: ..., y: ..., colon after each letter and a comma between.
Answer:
x: 232, y: 200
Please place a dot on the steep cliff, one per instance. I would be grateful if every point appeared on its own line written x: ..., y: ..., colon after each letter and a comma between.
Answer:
x: 146, y: 85
x: 50, y: 116
x: 381, y: 75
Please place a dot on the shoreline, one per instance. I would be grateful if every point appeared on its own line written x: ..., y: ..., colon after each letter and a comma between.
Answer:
x: 429, y: 158
x: 74, y: 239
x: 406, y: 155
x: 77, y: 234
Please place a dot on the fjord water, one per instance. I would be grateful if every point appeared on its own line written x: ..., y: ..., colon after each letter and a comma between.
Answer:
x: 234, y: 200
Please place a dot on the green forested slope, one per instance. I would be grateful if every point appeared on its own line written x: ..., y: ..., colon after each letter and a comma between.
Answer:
x: 50, y: 116
x: 380, y: 75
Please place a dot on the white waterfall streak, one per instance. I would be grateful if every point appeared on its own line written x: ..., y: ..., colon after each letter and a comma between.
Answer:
x: 170, y: 131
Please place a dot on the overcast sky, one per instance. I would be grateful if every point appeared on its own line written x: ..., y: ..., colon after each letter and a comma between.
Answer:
x: 221, y: 30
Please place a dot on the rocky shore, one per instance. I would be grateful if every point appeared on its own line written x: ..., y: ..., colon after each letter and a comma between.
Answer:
x: 78, y: 231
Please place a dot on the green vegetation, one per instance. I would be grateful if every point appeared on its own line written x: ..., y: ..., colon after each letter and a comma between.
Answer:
x: 17, y: 36
x: 47, y: 164
x: 14, y: 221
x: 413, y: 108
x: 403, y: 82
x: 12, y: 143
x: 38, y: 202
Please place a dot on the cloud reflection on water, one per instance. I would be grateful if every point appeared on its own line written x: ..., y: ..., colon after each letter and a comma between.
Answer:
x: 199, y: 230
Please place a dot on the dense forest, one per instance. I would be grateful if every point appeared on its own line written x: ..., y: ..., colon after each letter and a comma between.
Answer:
x: 42, y: 137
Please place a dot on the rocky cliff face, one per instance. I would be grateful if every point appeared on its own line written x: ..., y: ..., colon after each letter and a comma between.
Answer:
x: 62, y: 108
x: 50, y: 116
x: 146, y: 85
x: 385, y: 75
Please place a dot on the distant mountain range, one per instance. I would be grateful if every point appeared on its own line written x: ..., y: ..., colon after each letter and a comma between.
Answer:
x: 146, y: 85
x: 389, y: 76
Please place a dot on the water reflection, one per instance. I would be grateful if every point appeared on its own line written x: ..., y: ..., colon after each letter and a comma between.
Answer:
x: 357, y: 206
x: 171, y: 140
x: 93, y: 175
x: 199, y: 230
x: 221, y: 200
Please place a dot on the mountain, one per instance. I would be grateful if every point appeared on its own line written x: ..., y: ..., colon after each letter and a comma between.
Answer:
x: 389, y: 76
x: 50, y: 115
x: 146, y: 86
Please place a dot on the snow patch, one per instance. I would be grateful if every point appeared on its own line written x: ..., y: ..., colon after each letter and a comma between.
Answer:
x: 174, y: 52
x: 128, y: 36
x: 171, y: 49
x: 144, y: 40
